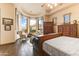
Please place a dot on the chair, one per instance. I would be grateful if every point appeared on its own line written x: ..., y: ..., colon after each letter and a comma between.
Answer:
x: 22, y: 37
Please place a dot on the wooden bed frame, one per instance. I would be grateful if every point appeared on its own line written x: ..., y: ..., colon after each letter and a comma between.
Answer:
x: 44, y: 38
x: 66, y: 30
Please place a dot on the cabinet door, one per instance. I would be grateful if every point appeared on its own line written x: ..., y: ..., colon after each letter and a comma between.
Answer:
x: 73, y: 30
x: 66, y: 29
x: 60, y: 29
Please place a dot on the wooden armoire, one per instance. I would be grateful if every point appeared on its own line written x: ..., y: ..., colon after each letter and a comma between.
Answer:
x: 48, y: 27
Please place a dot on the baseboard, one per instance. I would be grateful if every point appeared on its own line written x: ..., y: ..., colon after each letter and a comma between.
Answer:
x: 8, y: 43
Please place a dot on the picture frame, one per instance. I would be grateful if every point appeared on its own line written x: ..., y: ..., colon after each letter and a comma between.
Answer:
x: 7, y: 28
x: 7, y: 21
x: 67, y: 18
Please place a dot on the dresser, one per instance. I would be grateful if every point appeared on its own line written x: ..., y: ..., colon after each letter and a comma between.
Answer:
x: 48, y: 27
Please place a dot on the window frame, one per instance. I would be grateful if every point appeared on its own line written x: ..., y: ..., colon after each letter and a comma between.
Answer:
x: 68, y: 14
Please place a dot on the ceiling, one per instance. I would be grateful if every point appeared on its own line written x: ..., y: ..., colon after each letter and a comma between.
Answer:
x: 36, y: 9
x: 33, y: 9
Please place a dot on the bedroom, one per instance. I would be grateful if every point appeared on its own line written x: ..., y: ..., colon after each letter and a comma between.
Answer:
x: 50, y: 45
x: 52, y: 28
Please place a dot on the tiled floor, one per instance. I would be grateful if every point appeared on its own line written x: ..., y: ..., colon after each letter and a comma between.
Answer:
x: 17, y: 49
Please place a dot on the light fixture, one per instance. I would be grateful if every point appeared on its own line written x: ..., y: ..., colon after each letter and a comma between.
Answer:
x: 51, y: 7
x: 55, y: 4
x: 48, y: 5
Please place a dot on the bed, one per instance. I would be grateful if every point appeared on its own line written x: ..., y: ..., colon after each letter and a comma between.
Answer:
x: 62, y: 46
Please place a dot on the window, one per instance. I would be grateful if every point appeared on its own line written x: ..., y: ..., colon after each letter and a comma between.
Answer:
x: 33, y: 23
x: 36, y: 25
x: 40, y: 23
x: 67, y: 18
x: 24, y: 23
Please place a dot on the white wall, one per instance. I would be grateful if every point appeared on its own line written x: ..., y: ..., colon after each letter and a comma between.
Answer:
x: 74, y: 10
x: 7, y: 11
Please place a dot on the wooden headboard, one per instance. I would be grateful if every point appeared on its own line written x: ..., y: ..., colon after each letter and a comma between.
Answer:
x: 68, y: 30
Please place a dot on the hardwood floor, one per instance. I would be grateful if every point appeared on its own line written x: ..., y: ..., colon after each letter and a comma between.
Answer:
x: 17, y: 49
